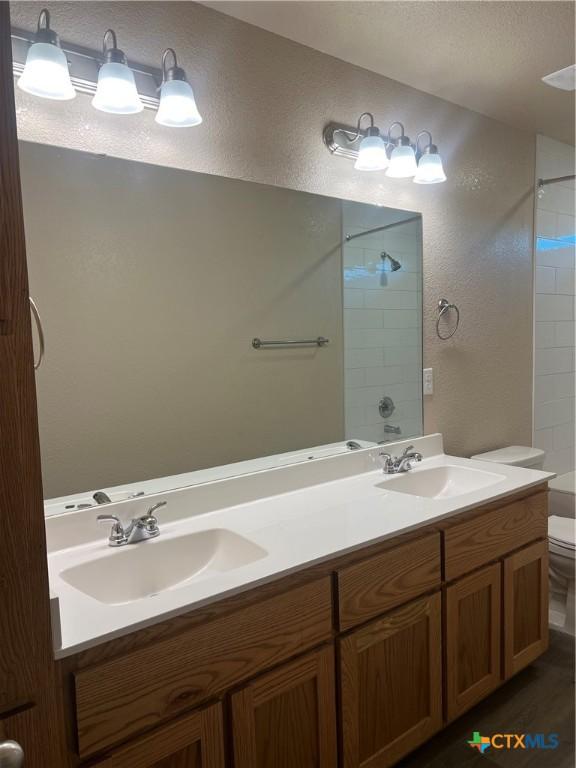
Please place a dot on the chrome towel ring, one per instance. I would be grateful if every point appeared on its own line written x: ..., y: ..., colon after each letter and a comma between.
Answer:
x: 445, y: 306
x: 40, y: 330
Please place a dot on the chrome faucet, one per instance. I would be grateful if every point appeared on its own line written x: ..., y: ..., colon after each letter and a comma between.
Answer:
x: 101, y: 498
x: 393, y: 465
x: 139, y: 529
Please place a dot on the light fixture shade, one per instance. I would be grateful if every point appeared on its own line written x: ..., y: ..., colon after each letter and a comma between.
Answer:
x: 402, y: 163
x: 430, y: 169
x: 46, y: 73
x: 371, y: 154
x: 177, y: 105
x: 116, y: 90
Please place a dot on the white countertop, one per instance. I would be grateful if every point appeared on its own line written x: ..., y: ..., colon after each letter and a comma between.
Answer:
x: 297, y: 521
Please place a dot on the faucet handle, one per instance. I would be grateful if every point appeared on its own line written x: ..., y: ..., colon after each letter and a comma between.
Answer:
x: 407, y: 451
x: 149, y: 520
x: 117, y: 534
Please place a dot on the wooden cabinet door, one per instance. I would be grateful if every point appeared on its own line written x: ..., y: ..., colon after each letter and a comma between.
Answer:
x: 473, y: 639
x: 391, y: 677
x: 525, y: 607
x: 194, y: 741
x: 27, y: 682
x: 287, y: 718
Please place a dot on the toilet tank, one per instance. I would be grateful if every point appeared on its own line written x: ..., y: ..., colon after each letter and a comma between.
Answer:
x: 515, y: 456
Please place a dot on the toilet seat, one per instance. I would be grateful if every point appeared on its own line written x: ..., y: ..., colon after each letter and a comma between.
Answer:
x: 562, y: 536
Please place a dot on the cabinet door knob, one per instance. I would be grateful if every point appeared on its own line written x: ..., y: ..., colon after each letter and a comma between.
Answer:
x: 11, y: 754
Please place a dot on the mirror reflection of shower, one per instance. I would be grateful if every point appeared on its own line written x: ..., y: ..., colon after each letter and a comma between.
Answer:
x: 394, y: 267
x: 394, y: 263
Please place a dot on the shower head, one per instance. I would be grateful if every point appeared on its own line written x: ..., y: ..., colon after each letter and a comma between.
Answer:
x: 394, y: 264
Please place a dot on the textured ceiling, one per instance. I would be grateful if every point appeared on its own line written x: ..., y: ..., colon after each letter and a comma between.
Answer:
x: 486, y: 56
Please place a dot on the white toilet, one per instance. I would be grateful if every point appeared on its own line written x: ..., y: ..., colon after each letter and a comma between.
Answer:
x: 561, y: 532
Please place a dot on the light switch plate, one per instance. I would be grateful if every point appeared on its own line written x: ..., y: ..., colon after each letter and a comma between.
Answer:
x: 428, y: 381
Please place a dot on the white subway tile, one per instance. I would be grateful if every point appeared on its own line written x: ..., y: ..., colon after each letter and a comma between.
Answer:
x: 544, y: 335
x: 557, y: 257
x: 401, y: 318
x: 363, y: 318
x: 363, y: 358
x: 565, y: 225
x: 564, y: 436
x: 353, y: 298
x: 553, y: 413
x: 394, y: 374
x: 554, y: 360
x: 545, y: 280
x: 564, y: 334
x: 544, y: 439
x: 554, y: 307
x: 403, y: 355
x: 388, y: 299
x: 553, y: 386
x: 565, y: 281
x: 546, y: 224
x: 560, y: 461
x: 355, y: 377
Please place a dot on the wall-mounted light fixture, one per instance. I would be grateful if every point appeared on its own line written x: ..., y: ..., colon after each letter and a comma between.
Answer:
x: 430, y: 168
x: 372, y: 150
x: 48, y: 69
x: 177, y: 103
x: 45, y: 72
x: 116, y: 91
x: 396, y: 154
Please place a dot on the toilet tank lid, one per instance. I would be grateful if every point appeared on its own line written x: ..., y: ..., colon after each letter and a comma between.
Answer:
x: 562, y: 529
x: 514, y: 455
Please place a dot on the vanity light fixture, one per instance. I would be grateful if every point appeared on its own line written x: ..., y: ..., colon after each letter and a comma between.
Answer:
x: 46, y: 70
x: 177, y: 103
x: 396, y: 154
x: 430, y: 168
x: 372, y: 150
x: 403, y: 158
x: 116, y: 92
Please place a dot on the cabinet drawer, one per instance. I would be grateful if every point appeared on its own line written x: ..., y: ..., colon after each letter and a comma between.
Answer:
x: 192, y: 741
x: 142, y: 689
x: 491, y: 534
x: 379, y: 583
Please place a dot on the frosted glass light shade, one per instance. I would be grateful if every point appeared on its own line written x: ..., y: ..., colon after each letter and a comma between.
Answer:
x: 371, y: 154
x: 46, y: 73
x: 430, y: 170
x: 402, y: 163
x: 116, y: 90
x: 177, y: 105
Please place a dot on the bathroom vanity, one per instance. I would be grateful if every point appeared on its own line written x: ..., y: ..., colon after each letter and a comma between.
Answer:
x: 373, y: 618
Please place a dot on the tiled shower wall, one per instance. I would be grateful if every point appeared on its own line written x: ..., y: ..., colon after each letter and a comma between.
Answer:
x: 554, y: 371
x: 382, y: 324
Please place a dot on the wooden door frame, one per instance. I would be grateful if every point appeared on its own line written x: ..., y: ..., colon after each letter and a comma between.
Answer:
x: 27, y: 667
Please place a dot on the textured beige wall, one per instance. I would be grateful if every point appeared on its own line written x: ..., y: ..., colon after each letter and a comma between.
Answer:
x: 152, y: 283
x: 265, y: 101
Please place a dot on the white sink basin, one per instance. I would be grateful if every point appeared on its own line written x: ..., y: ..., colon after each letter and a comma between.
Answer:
x: 441, y: 482
x: 143, y: 570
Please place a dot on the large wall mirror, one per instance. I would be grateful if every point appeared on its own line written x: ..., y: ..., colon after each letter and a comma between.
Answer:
x: 152, y: 284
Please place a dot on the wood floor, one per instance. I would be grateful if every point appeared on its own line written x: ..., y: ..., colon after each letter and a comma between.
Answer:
x: 538, y: 700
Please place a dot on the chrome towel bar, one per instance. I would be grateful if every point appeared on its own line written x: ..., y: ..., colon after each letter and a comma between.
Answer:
x: 320, y: 341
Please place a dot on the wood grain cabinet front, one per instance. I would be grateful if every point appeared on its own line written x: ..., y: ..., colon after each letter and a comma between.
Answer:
x: 287, y: 718
x: 473, y: 639
x: 120, y: 698
x: 391, y: 685
x: 193, y: 741
x: 525, y: 607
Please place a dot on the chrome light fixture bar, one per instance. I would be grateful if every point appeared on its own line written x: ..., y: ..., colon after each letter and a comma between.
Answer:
x: 84, y: 66
x: 422, y: 164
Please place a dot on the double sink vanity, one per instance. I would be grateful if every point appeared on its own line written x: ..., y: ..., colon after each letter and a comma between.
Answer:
x: 320, y: 614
